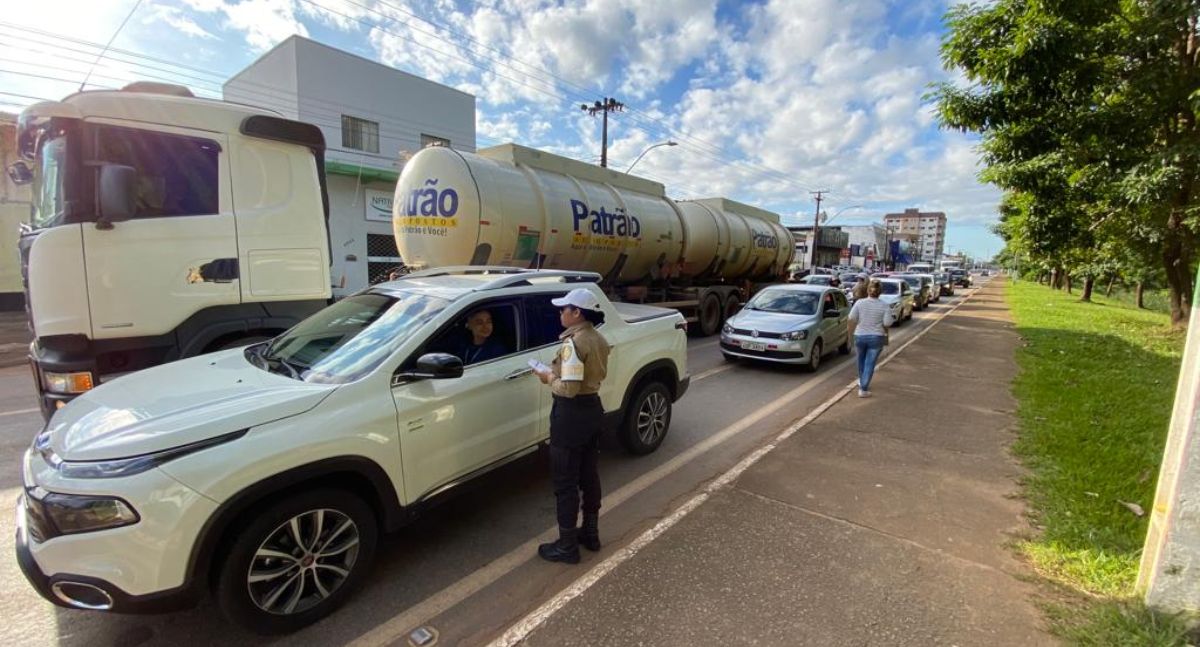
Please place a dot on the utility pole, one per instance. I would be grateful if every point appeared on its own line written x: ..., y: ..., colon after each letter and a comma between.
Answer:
x: 816, y: 227
x: 608, y: 105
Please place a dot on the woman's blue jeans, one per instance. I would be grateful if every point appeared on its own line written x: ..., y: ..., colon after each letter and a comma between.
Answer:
x: 868, y: 348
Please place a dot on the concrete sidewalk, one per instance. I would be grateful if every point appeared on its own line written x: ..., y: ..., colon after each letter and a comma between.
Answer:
x: 882, y: 522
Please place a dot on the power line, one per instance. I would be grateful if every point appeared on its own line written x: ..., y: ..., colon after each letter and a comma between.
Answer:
x: 638, y: 122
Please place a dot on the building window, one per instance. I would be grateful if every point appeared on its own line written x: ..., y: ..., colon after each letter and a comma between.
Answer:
x: 382, y: 257
x: 432, y: 140
x: 360, y: 134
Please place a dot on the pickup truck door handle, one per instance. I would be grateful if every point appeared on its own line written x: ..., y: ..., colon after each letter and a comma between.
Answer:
x: 516, y: 374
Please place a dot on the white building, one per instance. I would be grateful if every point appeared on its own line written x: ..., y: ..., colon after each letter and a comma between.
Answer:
x: 372, y: 116
x: 868, y: 244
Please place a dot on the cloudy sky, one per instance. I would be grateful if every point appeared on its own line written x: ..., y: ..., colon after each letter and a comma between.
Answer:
x: 768, y: 100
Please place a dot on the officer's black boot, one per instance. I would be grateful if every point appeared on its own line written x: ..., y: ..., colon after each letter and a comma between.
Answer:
x: 589, y: 534
x: 566, y: 549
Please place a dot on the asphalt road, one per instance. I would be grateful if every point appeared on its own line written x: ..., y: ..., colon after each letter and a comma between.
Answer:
x: 467, y: 569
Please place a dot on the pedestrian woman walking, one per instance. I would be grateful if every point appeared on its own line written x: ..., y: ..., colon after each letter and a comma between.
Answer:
x: 575, y: 419
x: 869, y: 321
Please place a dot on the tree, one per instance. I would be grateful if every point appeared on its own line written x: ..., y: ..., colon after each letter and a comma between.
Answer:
x: 1088, y: 111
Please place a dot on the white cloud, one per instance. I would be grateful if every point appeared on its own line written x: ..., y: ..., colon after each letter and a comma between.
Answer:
x: 174, y: 17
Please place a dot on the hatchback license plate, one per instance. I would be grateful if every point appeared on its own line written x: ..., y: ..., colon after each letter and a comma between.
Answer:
x: 754, y: 345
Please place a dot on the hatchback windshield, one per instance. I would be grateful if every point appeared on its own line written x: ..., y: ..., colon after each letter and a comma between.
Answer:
x: 912, y: 281
x: 349, y: 338
x: 786, y: 301
x: 819, y: 279
x: 890, y: 287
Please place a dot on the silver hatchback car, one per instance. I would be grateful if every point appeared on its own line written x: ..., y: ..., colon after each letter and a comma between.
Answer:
x: 789, y: 324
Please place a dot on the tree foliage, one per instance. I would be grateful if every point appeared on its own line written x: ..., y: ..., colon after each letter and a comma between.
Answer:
x: 1088, y: 115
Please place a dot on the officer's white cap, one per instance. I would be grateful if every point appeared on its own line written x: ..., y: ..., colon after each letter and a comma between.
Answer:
x: 580, y: 298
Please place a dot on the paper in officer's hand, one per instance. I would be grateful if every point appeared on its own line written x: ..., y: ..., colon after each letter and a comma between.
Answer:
x: 538, y: 366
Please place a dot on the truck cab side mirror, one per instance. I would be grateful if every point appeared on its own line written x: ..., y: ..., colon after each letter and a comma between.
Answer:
x: 20, y: 173
x: 433, y: 366
x: 116, y: 194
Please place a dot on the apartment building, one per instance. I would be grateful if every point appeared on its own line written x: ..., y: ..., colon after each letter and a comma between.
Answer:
x: 925, y: 231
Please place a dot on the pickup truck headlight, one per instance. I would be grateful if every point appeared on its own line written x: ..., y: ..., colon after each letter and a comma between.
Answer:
x: 70, y: 514
x: 68, y: 383
x: 795, y: 335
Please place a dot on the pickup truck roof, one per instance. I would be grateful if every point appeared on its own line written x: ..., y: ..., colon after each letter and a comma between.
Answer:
x: 452, y: 283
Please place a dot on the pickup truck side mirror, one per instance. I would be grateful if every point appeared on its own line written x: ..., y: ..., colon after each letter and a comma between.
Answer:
x: 116, y: 194
x: 434, y: 366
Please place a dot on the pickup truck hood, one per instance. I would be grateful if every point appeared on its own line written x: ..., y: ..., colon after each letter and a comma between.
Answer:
x: 773, y: 322
x: 176, y: 404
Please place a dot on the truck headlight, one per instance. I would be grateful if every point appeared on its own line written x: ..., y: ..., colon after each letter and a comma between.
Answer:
x: 75, y: 513
x: 795, y: 335
x: 68, y: 383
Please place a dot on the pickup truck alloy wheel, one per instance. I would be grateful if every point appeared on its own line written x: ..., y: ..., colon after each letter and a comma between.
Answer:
x: 293, y: 561
x: 648, y: 419
x: 303, y: 562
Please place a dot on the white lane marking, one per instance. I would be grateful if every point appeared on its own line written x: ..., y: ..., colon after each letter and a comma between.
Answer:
x: 521, y: 630
x: 712, y: 371
x: 452, y: 595
x: 17, y: 412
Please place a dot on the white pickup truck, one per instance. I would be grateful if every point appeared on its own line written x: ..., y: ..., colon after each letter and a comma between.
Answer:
x: 266, y: 474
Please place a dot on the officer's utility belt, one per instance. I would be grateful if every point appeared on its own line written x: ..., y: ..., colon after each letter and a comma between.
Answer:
x: 582, y: 397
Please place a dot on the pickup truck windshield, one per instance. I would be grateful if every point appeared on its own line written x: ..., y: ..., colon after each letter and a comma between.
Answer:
x: 348, y: 339
x: 786, y: 301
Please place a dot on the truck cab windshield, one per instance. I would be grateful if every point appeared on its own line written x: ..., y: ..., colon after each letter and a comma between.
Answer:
x: 348, y: 339
x: 49, y: 180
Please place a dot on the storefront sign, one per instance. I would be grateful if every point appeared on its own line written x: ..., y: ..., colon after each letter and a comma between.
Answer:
x: 378, y: 205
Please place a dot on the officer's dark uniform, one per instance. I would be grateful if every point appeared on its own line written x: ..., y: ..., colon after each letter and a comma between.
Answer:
x: 575, y: 422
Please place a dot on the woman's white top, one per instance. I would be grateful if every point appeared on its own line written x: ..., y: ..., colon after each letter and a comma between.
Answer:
x: 872, y: 316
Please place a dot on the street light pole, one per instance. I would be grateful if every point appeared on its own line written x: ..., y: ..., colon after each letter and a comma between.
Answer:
x: 639, y: 157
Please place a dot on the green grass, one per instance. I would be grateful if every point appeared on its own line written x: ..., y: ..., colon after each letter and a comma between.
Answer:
x: 1095, y: 392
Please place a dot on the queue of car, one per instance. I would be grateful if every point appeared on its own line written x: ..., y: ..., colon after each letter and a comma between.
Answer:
x: 263, y: 476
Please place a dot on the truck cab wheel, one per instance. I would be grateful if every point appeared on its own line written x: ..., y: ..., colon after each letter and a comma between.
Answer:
x: 647, y: 420
x: 296, y: 561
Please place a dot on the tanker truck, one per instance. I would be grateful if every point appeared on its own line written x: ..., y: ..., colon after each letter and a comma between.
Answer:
x: 514, y: 206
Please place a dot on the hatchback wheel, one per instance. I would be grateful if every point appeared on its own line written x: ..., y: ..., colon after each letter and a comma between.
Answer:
x: 814, y: 357
x: 296, y: 561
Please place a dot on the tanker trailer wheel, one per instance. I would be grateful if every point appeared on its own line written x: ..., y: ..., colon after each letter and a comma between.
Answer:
x: 709, y: 315
x: 732, y: 305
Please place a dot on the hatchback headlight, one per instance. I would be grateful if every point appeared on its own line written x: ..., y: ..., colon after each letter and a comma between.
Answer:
x: 795, y: 335
x: 727, y: 328
x: 69, y: 383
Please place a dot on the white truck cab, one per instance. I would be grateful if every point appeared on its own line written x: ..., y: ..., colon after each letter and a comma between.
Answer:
x: 164, y: 226
x: 264, y: 475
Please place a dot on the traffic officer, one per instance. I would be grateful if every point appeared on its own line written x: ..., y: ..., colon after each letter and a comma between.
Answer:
x: 575, y: 422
